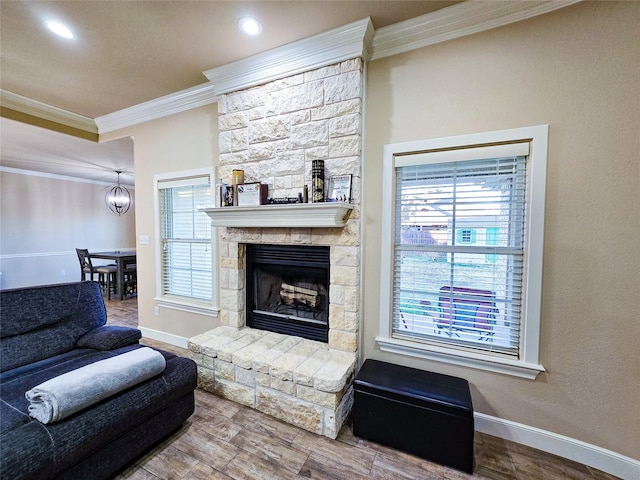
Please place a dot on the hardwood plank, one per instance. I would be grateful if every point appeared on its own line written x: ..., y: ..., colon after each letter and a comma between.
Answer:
x: 205, y: 447
x: 163, y: 346
x: 135, y: 472
x: 360, y: 460
x: 397, y: 465
x: 217, y: 425
x: 261, y: 423
x: 346, y: 436
x: 545, y: 466
x: 488, y: 458
x: 209, y: 402
x: 271, y: 448
x: 169, y: 463
x: 246, y: 466
x: 481, y: 473
x: 202, y: 471
x: 319, y: 467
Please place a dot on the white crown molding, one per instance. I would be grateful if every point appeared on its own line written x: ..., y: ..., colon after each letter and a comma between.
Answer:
x: 193, y: 97
x: 38, y: 109
x: 566, y: 447
x: 456, y: 21
x: 343, y: 43
x: 56, y: 176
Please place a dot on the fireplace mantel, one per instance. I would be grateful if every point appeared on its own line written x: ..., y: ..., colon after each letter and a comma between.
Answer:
x: 327, y: 214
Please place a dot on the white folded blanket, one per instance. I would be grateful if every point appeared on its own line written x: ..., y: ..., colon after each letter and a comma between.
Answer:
x: 69, y: 393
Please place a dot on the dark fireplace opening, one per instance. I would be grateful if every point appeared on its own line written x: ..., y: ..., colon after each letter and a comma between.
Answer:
x: 288, y: 290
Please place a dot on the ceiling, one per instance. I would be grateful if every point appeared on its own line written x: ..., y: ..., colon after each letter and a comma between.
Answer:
x: 36, y: 149
x: 130, y: 52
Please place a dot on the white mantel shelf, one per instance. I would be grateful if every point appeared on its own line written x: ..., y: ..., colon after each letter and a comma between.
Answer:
x: 302, y: 215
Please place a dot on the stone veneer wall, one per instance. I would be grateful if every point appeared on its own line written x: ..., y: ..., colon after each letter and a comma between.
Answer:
x: 273, y: 132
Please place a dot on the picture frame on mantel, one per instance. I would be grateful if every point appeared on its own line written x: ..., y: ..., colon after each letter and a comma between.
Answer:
x: 339, y: 189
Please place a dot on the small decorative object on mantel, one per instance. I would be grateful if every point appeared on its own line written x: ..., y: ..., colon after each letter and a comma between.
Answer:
x: 282, y: 200
x: 317, y: 181
x: 228, y: 195
x: 339, y: 189
x: 251, y: 194
x: 220, y: 191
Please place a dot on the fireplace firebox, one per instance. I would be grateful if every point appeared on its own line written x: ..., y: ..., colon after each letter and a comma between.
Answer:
x: 288, y: 289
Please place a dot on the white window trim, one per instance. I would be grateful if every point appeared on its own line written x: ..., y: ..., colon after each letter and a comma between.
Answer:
x: 528, y: 366
x: 171, y: 301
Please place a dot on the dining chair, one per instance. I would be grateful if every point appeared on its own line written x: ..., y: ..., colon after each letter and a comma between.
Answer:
x: 130, y: 279
x: 106, y: 273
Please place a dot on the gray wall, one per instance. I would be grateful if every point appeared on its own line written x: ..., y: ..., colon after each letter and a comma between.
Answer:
x: 43, y: 219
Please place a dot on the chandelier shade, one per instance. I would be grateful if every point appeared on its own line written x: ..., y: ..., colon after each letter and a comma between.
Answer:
x: 118, y: 198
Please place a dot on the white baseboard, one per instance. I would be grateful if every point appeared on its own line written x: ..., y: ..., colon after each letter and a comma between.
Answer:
x: 611, y: 462
x: 164, y: 337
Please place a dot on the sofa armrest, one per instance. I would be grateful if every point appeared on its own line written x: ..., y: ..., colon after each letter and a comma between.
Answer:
x: 109, y: 337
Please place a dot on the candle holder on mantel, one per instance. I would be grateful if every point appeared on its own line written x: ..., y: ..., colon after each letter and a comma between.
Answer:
x: 237, y: 178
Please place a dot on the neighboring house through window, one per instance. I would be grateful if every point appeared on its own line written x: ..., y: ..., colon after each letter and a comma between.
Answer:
x: 467, y: 289
x: 186, y: 243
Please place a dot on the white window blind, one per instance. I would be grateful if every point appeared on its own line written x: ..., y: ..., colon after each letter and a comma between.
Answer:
x: 185, y: 232
x: 459, y: 248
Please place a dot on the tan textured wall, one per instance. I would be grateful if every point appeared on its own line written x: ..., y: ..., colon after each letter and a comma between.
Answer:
x: 184, y: 141
x: 577, y: 69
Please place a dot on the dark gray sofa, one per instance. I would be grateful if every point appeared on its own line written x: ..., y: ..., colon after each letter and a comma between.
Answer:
x: 50, y: 330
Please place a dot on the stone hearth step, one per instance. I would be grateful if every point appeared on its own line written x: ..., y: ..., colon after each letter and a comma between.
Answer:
x: 299, y: 381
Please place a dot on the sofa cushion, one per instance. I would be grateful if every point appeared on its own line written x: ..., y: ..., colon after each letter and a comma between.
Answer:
x: 41, y: 322
x: 33, y: 346
x: 27, y: 452
x: 109, y: 337
x: 11, y: 417
x: 42, y: 365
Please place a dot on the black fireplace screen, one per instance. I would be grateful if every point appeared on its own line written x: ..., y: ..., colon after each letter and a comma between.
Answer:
x: 288, y: 289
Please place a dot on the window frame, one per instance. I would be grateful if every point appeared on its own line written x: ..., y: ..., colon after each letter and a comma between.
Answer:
x: 528, y: 364
x: 175, y: 302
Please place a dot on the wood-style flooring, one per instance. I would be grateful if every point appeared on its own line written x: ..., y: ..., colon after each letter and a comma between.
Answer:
x: 223, y: 440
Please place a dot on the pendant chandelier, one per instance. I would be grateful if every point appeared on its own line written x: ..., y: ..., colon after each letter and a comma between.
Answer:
x: 118, y: 198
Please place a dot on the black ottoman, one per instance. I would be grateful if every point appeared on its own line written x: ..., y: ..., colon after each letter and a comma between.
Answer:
x: 422, y: 413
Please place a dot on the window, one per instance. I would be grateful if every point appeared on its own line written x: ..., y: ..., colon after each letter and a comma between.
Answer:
x: 467, y: 236
x: 186, y: 243
x: 466, y: 289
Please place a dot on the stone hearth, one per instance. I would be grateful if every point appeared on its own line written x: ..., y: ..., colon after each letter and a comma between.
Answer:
x: 299, y: 381
x: 274, y: 132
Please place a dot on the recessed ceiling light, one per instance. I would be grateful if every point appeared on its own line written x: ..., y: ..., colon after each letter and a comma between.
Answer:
x: 250, y: 26
x: 60, y: 29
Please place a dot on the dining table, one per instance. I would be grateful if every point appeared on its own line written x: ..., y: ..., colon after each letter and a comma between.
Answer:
x: 122, y: 258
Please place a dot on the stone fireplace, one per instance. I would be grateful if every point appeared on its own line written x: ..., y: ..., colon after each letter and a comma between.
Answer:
x: 273, y: 132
